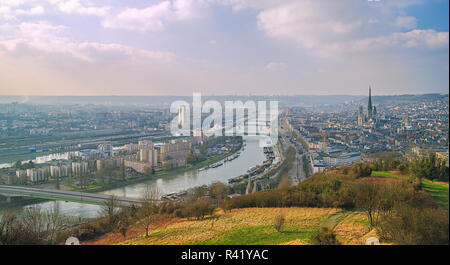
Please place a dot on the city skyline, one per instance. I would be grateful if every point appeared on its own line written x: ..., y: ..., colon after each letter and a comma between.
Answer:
x: 177, y: 47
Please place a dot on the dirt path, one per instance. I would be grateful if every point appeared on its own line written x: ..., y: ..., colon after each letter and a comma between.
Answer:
x: 335, y: 219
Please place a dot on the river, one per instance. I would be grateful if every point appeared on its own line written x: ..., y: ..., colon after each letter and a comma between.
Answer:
x: 252, y: 155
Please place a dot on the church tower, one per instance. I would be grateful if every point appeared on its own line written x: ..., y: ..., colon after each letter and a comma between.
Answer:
x: 369, y: 106
x: 360, y: 116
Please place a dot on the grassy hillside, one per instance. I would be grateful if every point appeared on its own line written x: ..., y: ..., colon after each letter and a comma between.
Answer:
x: 354, y: 203
x: 439, y: 190
x: 250, y: 226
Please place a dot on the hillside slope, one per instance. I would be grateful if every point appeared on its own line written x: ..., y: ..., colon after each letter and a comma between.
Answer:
x: 250, y: 226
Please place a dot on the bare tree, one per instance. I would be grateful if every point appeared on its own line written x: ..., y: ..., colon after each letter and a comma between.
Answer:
x: 10, y: 228
x: 34, y: 221
x: 148, y: 207
x: 109, y: 208
x: 54, y: 223
x: 279, y: 222
x: 33, y: 226
x: 214, y: 219
x: 367, y: 199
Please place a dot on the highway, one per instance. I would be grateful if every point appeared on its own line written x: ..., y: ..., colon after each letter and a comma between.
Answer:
x: 73, y: 196
x: 297, y: 172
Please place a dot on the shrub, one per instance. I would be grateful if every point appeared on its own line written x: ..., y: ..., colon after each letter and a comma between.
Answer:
x: 170, y: 208
x: 325, y: 236
x: 123, y: 231
x: 93, y: 229
x: 415, y: 226
x: 219, y: 191
x: 226, y: 205
x: 31, y: 227
x: 360, y: 170
x: 199, y: 208
x: 279, y: 222
x: 417, y: 184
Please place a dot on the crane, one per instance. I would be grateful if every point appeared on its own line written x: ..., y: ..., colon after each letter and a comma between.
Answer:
x: 324, y: 147
x: 325, y: 134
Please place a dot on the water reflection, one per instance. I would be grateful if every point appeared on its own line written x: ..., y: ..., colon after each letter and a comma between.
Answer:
x: 252, y: 155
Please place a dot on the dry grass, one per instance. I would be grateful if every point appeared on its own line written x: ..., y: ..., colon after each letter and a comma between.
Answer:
x: 189, y: 231
x: 295, y: 242
x: 134, y: 231
x: 353, y: 229
x: 180, y: 231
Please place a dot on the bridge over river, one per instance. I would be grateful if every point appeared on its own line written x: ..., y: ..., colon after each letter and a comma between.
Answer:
x: 73, y: 196
x: 250, y: 156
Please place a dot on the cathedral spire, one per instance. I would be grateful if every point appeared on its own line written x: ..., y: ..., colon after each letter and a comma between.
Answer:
x: 369, y: 105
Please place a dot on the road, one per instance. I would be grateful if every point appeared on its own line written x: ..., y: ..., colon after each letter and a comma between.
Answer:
x: 74, y: 196
x: 297, y: 172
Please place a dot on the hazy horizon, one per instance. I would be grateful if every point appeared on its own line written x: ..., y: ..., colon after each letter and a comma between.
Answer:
x: 230, y: 95
x: 165, y: 100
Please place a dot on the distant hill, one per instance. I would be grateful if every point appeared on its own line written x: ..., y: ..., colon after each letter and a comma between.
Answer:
x: 165, y: 101
x: 386, y: 100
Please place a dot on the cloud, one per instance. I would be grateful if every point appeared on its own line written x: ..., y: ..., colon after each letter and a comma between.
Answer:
x: 41, y: 29
x: 10, y: 8
x: 14, y: 3
x: 350, y: 41
x: 406, y: 22
x: 44, y: 37
x: 5, y: 9
x: 186, y: 9
x: 238, y: 5
x: 275, y: 66
x: 126, y: 50
x: 415, y: 39
x: 38, y: 10
x: 11, y: 45
x: 334, y: 28
x: 148, y: 19
x: 301, y: 23
x: 428, y: 39
x: 154, y: 17
x: 76, y: 7
x: 6, y: 12
x: 421, y: 38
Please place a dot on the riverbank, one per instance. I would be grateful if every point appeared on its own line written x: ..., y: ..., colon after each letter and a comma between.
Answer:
x: 171, y: 182
x: 4, y: 205
x: 119, y: 184
x: 137, y: 180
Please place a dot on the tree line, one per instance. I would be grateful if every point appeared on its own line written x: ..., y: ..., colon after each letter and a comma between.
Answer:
x: 398, y: 210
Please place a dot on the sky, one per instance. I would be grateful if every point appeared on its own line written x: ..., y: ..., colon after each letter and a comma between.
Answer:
x: 223, y: 47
